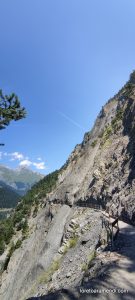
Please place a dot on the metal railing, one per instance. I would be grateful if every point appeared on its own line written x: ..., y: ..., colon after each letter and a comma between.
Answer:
x: 111, y: 224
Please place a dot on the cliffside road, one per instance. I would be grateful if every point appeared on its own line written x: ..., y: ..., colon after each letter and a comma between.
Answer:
x: 118, y: 279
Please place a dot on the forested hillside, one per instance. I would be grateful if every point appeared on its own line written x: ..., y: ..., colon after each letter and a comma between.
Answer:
x: 8, y: 196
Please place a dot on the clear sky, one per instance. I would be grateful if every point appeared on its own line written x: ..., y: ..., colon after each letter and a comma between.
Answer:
x: 64, y: 59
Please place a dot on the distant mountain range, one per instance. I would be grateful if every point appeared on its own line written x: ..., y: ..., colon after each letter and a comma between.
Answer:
x: 15, y: 183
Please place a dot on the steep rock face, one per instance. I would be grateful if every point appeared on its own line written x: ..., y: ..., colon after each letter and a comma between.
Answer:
x: 101, y: 170
x: 37, y: 253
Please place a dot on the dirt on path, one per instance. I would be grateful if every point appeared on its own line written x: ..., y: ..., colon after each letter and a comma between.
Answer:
x: 118, y: 280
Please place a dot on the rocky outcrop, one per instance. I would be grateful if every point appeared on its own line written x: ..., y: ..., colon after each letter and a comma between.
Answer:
x: 36, y: 254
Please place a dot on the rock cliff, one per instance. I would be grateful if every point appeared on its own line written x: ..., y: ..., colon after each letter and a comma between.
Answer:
x: 100, y: 173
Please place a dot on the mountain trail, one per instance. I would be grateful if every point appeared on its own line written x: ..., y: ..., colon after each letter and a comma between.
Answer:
x: 117, y: 280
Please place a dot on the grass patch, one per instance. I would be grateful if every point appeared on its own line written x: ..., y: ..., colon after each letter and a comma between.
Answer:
x: 84, y: 267
x: 75, y: 227
x: 116, y: 121
x: 91, y: 256
x: 73, y: 242
x: 106, y: 134
x: 47, y: 275
x: 112, y: 128
x: 106, y: 144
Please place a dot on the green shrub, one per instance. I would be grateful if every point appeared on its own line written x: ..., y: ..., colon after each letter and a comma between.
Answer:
x: 94, y: 143
x: 6, y: 230
x: 18, y: 216
x: 25, y: 229
x: 118, y: 117
x: 113, y: 127
x: 128, y: 89
x: 18, y: 244
x: 12, y: 249
x: 106, y: 134
x: 2, y: 246
x: 35, y: 211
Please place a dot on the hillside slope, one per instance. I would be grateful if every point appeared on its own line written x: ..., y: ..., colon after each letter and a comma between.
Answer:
x: 66, y: 229
x: 8, y: 196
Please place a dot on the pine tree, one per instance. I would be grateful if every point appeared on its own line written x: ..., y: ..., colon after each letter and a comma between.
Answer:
x: 10, y: 109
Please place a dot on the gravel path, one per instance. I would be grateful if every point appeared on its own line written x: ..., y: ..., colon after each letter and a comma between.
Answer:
x: 118, y: 282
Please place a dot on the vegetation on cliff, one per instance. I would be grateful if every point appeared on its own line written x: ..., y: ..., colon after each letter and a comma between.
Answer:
x: 18, y: 220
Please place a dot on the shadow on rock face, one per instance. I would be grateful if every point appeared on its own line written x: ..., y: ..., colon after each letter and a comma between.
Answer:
x: 59, y: 295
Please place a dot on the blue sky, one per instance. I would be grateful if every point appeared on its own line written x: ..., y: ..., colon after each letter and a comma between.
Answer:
x: 64, y: 59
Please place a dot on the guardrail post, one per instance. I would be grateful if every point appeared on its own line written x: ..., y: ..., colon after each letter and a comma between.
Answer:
x: 112, y: 236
